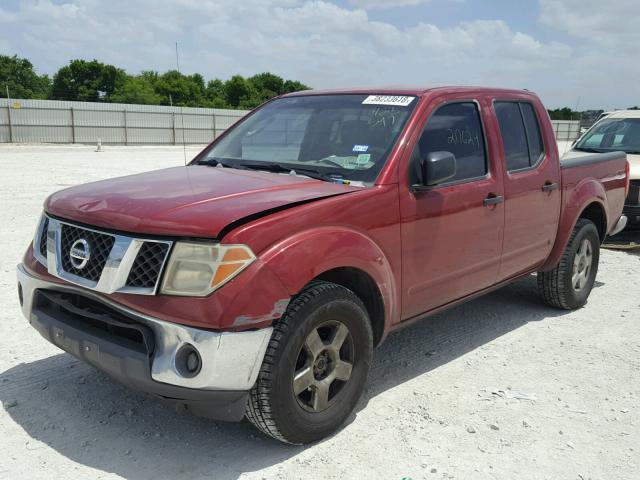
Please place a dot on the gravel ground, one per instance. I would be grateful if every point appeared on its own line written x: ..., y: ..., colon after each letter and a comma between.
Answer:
x: 499, y: 388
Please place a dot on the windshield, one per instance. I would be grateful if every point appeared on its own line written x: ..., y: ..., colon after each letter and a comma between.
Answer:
x: 612, y: 134
x: 334, y: 136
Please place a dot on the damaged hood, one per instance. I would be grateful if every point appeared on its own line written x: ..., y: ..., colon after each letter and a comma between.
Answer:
x: 196, y: 201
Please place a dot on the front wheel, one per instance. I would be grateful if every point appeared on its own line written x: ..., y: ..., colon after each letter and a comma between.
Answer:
x: 569, y: 284
x: 315, y: 367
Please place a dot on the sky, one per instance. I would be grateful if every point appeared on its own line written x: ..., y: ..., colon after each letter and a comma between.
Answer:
x: 581, y: 53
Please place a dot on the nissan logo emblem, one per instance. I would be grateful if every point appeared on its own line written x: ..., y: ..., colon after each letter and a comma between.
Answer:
x: 80, y: 253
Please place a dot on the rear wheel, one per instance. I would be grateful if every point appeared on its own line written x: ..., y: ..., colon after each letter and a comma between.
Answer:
x: 569, y: 284
x: 315, y: 367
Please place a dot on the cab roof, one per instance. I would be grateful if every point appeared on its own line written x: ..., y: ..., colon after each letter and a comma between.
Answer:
x: 410, y: 90
x: 624, y: 114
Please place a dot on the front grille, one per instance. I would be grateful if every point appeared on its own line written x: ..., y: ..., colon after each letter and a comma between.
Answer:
x: 43, y: 238
x: 147, y: 265
x: 633, y: 198
x: 81, y: 255
x: 100, y: 245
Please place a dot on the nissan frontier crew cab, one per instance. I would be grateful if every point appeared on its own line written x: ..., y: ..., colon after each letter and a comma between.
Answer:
x: 257, y: 280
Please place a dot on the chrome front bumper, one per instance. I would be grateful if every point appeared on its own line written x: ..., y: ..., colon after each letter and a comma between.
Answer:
x: 230, y: 361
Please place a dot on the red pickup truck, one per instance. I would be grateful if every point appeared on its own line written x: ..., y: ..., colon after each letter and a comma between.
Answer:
x: 258, y: 279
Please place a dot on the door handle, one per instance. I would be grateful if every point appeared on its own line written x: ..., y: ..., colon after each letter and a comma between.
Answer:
x: 549, y: 186
x: 493, y: 199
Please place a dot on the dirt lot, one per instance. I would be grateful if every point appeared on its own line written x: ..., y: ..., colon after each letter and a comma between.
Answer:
x: 502, y: 387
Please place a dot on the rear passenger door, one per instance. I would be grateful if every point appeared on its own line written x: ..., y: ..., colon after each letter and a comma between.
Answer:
x: 531, y: 186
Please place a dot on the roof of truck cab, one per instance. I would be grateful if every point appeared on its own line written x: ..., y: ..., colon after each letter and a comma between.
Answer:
x: 409, y: 90
x: 624, y: 114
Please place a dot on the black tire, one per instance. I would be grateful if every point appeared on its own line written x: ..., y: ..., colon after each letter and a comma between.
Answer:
x: 274, y: 407
x: 557, y: 287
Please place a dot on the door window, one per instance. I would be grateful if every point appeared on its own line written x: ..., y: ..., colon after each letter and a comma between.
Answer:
x: 534, y: 138
x: 520, y: 133
x: 456, y: 128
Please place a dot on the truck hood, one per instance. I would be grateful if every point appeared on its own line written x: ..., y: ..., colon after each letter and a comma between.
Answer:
x: 194, y: 201
x: 634, y: 161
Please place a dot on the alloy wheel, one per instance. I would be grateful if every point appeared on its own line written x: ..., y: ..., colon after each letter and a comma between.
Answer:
x: 582, y: 263
x: 323, y: 366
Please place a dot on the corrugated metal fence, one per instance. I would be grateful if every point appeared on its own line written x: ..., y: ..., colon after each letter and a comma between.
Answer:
x: 52, y: 121
x: 566, y: 130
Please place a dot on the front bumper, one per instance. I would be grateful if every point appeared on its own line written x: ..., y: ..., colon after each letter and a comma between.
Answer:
x: 143, y: 352
x: 632, y: 203
x: 622, y: 222
x: 631, y: 210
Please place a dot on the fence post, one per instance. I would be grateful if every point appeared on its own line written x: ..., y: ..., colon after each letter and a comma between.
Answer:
x: 126, y: 135
x: 214, y: 125
x: 73, y: 126
x: 173, y: 127
x: 10, y: 124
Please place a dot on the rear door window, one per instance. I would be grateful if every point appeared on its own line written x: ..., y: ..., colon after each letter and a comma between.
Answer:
x: 532, y: 127
x: 520, y: 133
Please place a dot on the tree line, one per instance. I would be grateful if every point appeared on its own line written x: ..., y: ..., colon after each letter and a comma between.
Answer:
x: 94, y: 81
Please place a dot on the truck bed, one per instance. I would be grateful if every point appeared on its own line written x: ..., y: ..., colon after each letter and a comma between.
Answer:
x: 579, y: 172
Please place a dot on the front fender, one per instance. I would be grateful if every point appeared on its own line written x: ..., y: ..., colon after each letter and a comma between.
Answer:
x: 300, y: 258
x: 575, y: 201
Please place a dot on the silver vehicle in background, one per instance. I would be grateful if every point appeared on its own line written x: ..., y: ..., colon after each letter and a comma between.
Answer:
x: 616, y: 131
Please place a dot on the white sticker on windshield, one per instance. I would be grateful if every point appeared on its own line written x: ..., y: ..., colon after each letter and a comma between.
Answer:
x: 397, y: 100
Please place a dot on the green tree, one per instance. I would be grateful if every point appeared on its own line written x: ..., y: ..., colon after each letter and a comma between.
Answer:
x: 93, y: 81
x: 215, y: 94
x: 291, y: 86
x: 178, y: 89
x: 564, y: 113
x: 139, y: 89
x: 23, y: 82
x: 266, y: 85
x: 83, y: 81
x: 239, y: 93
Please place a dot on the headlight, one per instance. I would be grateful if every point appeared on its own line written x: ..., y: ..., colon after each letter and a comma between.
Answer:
x: 197, y: 269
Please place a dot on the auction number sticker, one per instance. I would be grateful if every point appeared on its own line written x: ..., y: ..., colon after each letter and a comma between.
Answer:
x: 396, y: 100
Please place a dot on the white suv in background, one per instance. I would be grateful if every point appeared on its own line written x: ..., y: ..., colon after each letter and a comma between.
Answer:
x: 619, y: 130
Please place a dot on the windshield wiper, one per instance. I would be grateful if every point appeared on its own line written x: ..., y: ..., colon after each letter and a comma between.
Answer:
x: 278, y: 168
x: 214, y: 162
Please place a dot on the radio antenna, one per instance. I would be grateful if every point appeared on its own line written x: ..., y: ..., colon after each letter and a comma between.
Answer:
x: 184, y: 146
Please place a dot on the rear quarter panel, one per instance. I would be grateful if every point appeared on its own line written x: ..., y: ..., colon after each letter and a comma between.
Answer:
x: 603, y: 183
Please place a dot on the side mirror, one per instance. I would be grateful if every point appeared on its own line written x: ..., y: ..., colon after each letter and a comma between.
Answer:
x: 437, y: 167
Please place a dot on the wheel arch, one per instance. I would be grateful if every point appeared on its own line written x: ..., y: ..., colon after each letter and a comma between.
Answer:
x: 343, y: 256
x: 596, y: 213
x: 366, y: 289
x: 586, y: 200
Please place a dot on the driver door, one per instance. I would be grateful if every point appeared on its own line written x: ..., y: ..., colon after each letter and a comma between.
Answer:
x: 451, y: 232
